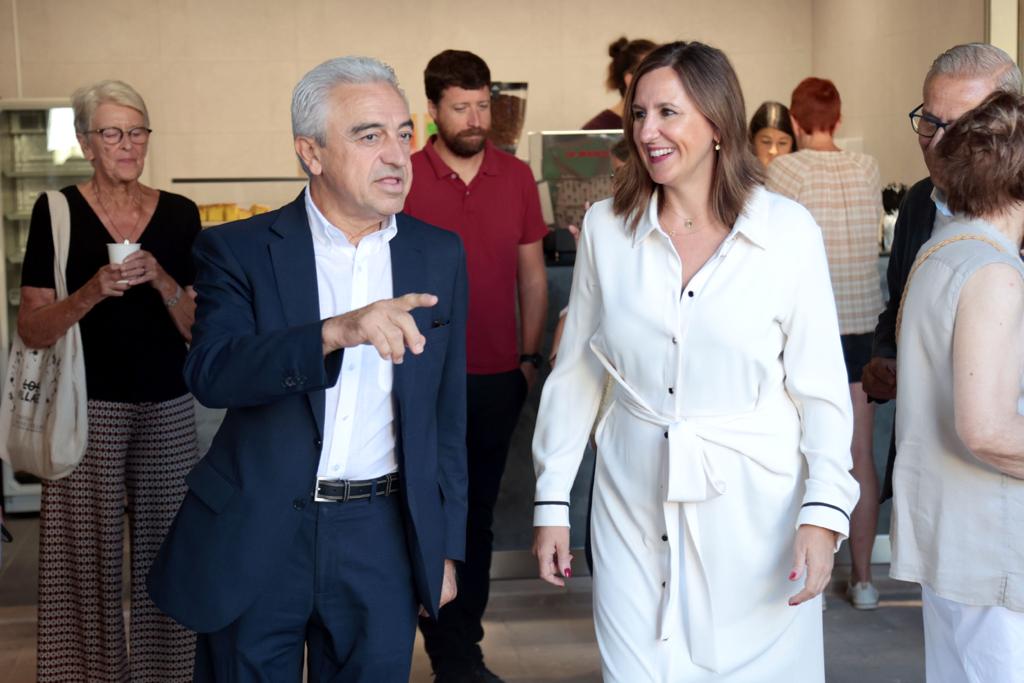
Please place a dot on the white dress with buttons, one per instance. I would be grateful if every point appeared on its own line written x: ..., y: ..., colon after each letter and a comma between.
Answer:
x: 730, y: 426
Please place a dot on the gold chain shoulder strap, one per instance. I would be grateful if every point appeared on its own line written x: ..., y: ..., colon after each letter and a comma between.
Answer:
x: 924, y: 257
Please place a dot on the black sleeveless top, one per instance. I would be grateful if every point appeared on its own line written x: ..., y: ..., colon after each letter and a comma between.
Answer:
x: 133, y: 352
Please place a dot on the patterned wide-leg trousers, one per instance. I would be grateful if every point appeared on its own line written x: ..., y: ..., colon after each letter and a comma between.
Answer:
x: 137, y: 457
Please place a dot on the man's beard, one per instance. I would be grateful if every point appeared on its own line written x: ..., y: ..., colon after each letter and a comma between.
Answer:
x: 466, y: 143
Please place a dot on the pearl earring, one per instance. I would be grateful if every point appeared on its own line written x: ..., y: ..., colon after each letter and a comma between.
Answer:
x: 718, y: 146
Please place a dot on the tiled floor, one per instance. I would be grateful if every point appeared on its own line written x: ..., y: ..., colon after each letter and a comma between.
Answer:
x: 537, y: 634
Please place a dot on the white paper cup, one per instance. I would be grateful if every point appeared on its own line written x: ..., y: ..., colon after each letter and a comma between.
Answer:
x: 117, y: 252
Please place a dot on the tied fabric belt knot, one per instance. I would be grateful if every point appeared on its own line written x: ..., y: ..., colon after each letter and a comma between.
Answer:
x: 690, y: 479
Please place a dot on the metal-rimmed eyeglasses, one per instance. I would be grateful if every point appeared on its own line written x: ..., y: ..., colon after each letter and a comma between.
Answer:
x: 924, y: 124
x: 113, y: 135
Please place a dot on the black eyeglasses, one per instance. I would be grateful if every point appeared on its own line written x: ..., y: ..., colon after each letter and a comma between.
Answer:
x: 112, y: 135
x: 926, y: 125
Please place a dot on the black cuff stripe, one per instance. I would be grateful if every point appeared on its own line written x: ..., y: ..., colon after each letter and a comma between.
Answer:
x: 826, y: 505
x: 550, y: 502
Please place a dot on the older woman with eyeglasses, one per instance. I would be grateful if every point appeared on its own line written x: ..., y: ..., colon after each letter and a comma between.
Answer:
x: 135, y: 319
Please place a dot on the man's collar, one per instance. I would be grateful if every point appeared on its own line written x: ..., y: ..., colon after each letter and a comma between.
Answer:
x: 327, y: 234
x: 489, y: 166
x: 747, y: 224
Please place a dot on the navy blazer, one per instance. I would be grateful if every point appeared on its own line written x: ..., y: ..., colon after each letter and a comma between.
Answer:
x: 257, y: 351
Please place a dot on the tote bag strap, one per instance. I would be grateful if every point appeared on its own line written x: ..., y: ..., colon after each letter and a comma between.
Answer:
x: 60, y: 223
x: 924, y: 257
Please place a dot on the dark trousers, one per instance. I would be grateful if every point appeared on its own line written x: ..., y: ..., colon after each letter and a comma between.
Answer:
x: 494, y: 402
x: 345, y: 590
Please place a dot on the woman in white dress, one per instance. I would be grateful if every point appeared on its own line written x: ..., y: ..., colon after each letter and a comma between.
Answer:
x: 723, y: 487
x: 958, y: 483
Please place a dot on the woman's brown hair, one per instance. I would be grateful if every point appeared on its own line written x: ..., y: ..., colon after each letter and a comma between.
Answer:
x: 710, y: 81
x: 979, y: 161
x: 625, y: 54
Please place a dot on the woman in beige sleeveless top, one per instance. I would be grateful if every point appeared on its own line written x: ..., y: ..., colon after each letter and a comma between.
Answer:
x: 958, y: 514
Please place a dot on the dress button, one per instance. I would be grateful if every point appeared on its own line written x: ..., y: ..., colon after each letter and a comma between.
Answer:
x: 318, y: 443
x: 298, y: 504
x: 671, y: 390
x: 664, y: 537
x: 662, y: 584
x: 666, y: 435
x: 674, y: 340
x: 690, y: 293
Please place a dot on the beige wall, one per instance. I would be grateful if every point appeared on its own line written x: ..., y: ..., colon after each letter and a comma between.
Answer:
x: 877, y: 53
x: 217, y: 74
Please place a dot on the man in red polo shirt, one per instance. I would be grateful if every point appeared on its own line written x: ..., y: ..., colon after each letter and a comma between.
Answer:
x: 462, y: 183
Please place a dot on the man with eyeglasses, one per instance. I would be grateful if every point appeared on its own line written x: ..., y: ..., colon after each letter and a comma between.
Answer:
x: 958, y: 81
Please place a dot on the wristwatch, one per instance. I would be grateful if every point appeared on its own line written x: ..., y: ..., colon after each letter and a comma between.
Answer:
x: 534, y: 359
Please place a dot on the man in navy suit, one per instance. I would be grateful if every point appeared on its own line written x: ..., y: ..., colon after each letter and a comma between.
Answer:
x: 332, y: 504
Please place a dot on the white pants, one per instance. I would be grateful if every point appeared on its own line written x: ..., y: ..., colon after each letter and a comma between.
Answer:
x: 970, y: 644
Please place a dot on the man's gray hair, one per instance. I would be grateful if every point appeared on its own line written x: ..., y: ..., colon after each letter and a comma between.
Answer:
x: 977, y: 60
x: 310, y: 97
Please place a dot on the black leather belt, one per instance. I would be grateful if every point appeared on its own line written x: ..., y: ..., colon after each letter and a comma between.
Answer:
x: 342, y: 490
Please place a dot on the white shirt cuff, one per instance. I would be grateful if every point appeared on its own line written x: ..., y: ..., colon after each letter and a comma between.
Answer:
x: 551, y: 513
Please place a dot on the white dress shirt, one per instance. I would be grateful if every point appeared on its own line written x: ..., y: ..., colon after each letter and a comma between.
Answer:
x: 755, y: 323
x: 359, y: 419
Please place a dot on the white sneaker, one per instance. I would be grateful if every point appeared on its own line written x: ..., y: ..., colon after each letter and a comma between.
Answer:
x: 862, y: 595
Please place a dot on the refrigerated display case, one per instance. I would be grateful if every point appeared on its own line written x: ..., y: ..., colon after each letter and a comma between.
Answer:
x: 38, y: 152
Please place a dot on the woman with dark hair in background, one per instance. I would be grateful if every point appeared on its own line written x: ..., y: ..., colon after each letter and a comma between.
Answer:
x: 958, y: 483
x: 626, y: 56
x: 843, y: 192
x: 771, y: 132
x: 723, y: 472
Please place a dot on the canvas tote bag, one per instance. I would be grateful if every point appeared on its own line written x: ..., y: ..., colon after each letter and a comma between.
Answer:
x: 43, y: 426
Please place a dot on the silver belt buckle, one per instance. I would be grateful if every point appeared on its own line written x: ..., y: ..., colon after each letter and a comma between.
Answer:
x: 318, y: 499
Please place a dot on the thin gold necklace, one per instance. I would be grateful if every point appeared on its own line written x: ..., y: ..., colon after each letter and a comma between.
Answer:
x: 689, y: 227
x: 686, y: 229
x: 106, y: 213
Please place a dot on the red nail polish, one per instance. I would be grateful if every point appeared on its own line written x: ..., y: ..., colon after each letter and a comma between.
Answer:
x: 792, y: 576
x: 568, y: 573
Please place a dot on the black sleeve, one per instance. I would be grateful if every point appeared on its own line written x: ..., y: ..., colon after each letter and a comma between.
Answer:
x: 913, y: 228
x: 37, y: 269
x: 180, y: 228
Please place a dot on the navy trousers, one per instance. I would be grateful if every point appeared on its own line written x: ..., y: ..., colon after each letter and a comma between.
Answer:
x: 345, y: 591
